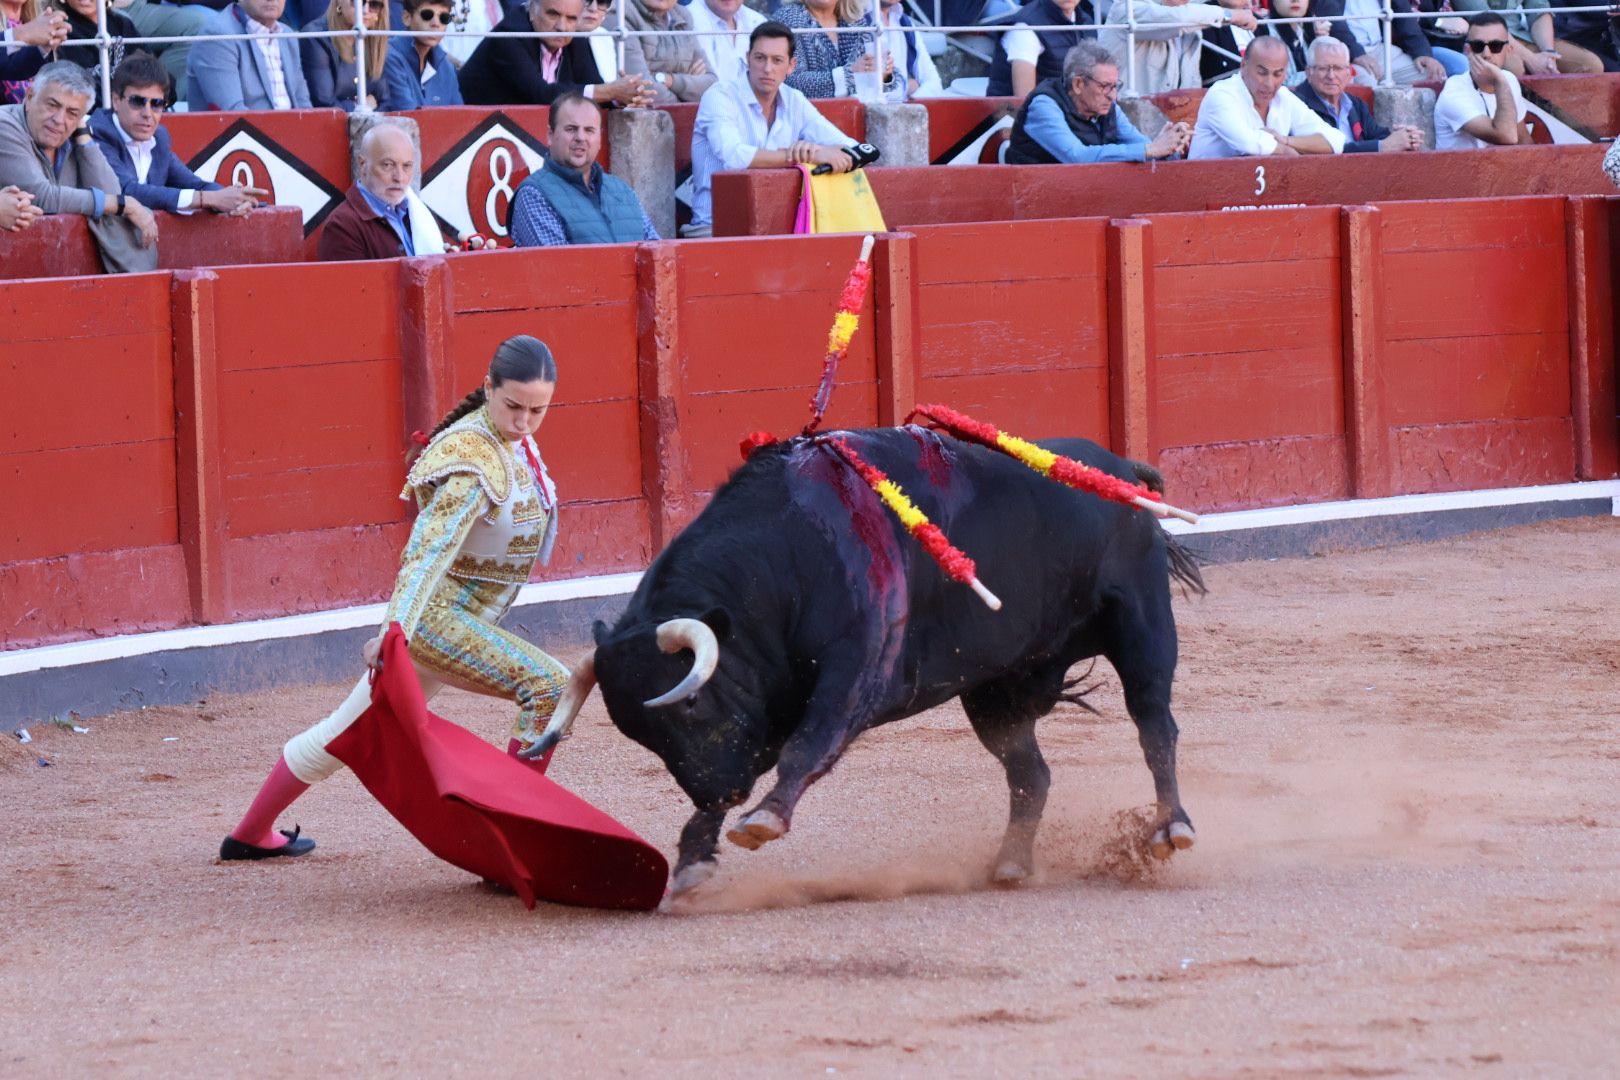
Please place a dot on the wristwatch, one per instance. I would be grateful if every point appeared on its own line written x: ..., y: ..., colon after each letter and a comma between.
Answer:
x: 82, y: 135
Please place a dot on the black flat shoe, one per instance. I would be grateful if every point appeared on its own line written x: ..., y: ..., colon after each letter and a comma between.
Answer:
x: 233, y: 848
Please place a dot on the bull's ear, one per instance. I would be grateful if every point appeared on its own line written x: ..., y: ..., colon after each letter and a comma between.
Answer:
x: 599, y: 632
x: 718, y: 620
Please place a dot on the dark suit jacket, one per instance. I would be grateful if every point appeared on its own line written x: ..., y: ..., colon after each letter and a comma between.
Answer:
x: 1367, y: 132
x: 355, y: 231
x: 19, y: 63
x: 506, y: 70
x: 165, y: 180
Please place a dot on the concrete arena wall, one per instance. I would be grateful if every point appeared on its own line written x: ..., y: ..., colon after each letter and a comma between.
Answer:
x: 245, y: 456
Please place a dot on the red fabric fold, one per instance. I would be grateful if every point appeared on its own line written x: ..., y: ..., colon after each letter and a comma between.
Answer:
x: 490, y: 814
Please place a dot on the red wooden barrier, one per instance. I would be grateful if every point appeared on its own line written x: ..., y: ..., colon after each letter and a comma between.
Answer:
x: 1015, y: 324
x: 762, y: 202
x: 300, y: 157
x: 246, y: 461
x: 59, y: 245
x: 90, y: 540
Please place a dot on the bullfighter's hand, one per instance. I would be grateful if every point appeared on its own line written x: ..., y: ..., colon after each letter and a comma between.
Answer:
x: 371, y: 652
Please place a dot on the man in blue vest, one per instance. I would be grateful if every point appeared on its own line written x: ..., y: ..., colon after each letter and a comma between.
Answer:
x: 571, y: 200
x: 1074, y: 119
x: 1025, y: 57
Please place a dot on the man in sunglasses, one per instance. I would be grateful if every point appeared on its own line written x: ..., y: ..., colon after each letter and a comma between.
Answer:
x: 133, y: 141
x: 1484, y: 106
x: 1075, y: 119
x: 419, y: 72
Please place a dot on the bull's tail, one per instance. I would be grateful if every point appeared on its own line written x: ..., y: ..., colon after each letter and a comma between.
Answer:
x: 1184, y: 563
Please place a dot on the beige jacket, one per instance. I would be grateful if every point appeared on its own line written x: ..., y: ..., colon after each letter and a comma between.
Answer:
x: 667, y: 53
x: 1167, y: 57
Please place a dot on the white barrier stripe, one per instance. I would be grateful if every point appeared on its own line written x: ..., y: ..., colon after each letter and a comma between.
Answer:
x: 72, y: 654
x: 75, y: 653
x: 1395, y: 506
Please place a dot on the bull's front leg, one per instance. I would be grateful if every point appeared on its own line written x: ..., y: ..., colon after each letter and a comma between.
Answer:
x: 699, y: 841
x: 829, y: 724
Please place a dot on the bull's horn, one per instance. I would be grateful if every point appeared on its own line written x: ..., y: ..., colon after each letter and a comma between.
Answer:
x: 579, y: 688
x: 694, y: 634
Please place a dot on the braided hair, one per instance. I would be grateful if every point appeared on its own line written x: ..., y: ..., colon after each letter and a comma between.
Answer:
x: 520, y: 359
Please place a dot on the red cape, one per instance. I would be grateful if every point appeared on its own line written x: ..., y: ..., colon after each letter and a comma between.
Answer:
x: 485, y: 811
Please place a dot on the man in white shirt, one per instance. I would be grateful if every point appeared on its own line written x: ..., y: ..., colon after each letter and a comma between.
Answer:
x: 1254, y: 114
x: 726, y: 24
x: 1483, y: 106
x: 758, y: 123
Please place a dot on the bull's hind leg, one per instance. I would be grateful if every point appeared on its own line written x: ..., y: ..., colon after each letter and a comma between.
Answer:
x: 1142, y: 649
x: 1003, y: 716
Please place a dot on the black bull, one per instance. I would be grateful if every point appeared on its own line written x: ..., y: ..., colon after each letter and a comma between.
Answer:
x: 820, y: 617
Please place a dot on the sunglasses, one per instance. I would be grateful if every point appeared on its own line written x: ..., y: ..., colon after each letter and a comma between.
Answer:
x: 443, y: 18
x: 604, y: 4
x: 156, y: 104
x: 1481, y: 46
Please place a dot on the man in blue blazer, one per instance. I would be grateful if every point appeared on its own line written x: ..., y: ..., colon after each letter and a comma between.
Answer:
x: 136, y: 146
x: 232, y: 76
x: 1325, y: 92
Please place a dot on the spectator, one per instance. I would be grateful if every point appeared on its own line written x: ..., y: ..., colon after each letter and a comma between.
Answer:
x: 46, y: 151
x: 759, y: 123
x: 419, y: 73
x: 80, y: 46
x: 1535, y: 49
x: 26, y: 34
x: 1298, y: 36
x: 1591, y: 30
x: 380, y: 217
x: 1323, y: 92
x: 1411, y: 56
x: 910, y: 55
x: 571, y: 200
x: 329, y: 63
x: 604, y: 46
x: 1024, y: 57
x: 262, y: 73
x: 1224, y: 44
x: 1254, y: 114
x: 168, y: 18
x: 1484, y: 106
x: 479, y: 17
x: 826, y: 63
x: 729, y: 22
x: 1074, y: 118
x: 136, y: 147
x: 672, y: 61
x: 508, y: 70
x: 17, y: 209
x: 1168, y: 58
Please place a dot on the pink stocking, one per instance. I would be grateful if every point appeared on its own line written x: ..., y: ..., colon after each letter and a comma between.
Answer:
x: 278, y: 793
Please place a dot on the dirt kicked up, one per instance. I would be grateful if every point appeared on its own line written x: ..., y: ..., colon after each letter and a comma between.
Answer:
x: 1404, y: 769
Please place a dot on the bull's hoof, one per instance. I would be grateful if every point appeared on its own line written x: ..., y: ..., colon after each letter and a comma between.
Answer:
x: 756, y: 830
x: 690, y: 876
x: 1010, y: 872
x: 1171, y: 838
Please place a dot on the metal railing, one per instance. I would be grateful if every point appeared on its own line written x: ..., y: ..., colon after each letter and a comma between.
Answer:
x: 1387, y: 17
